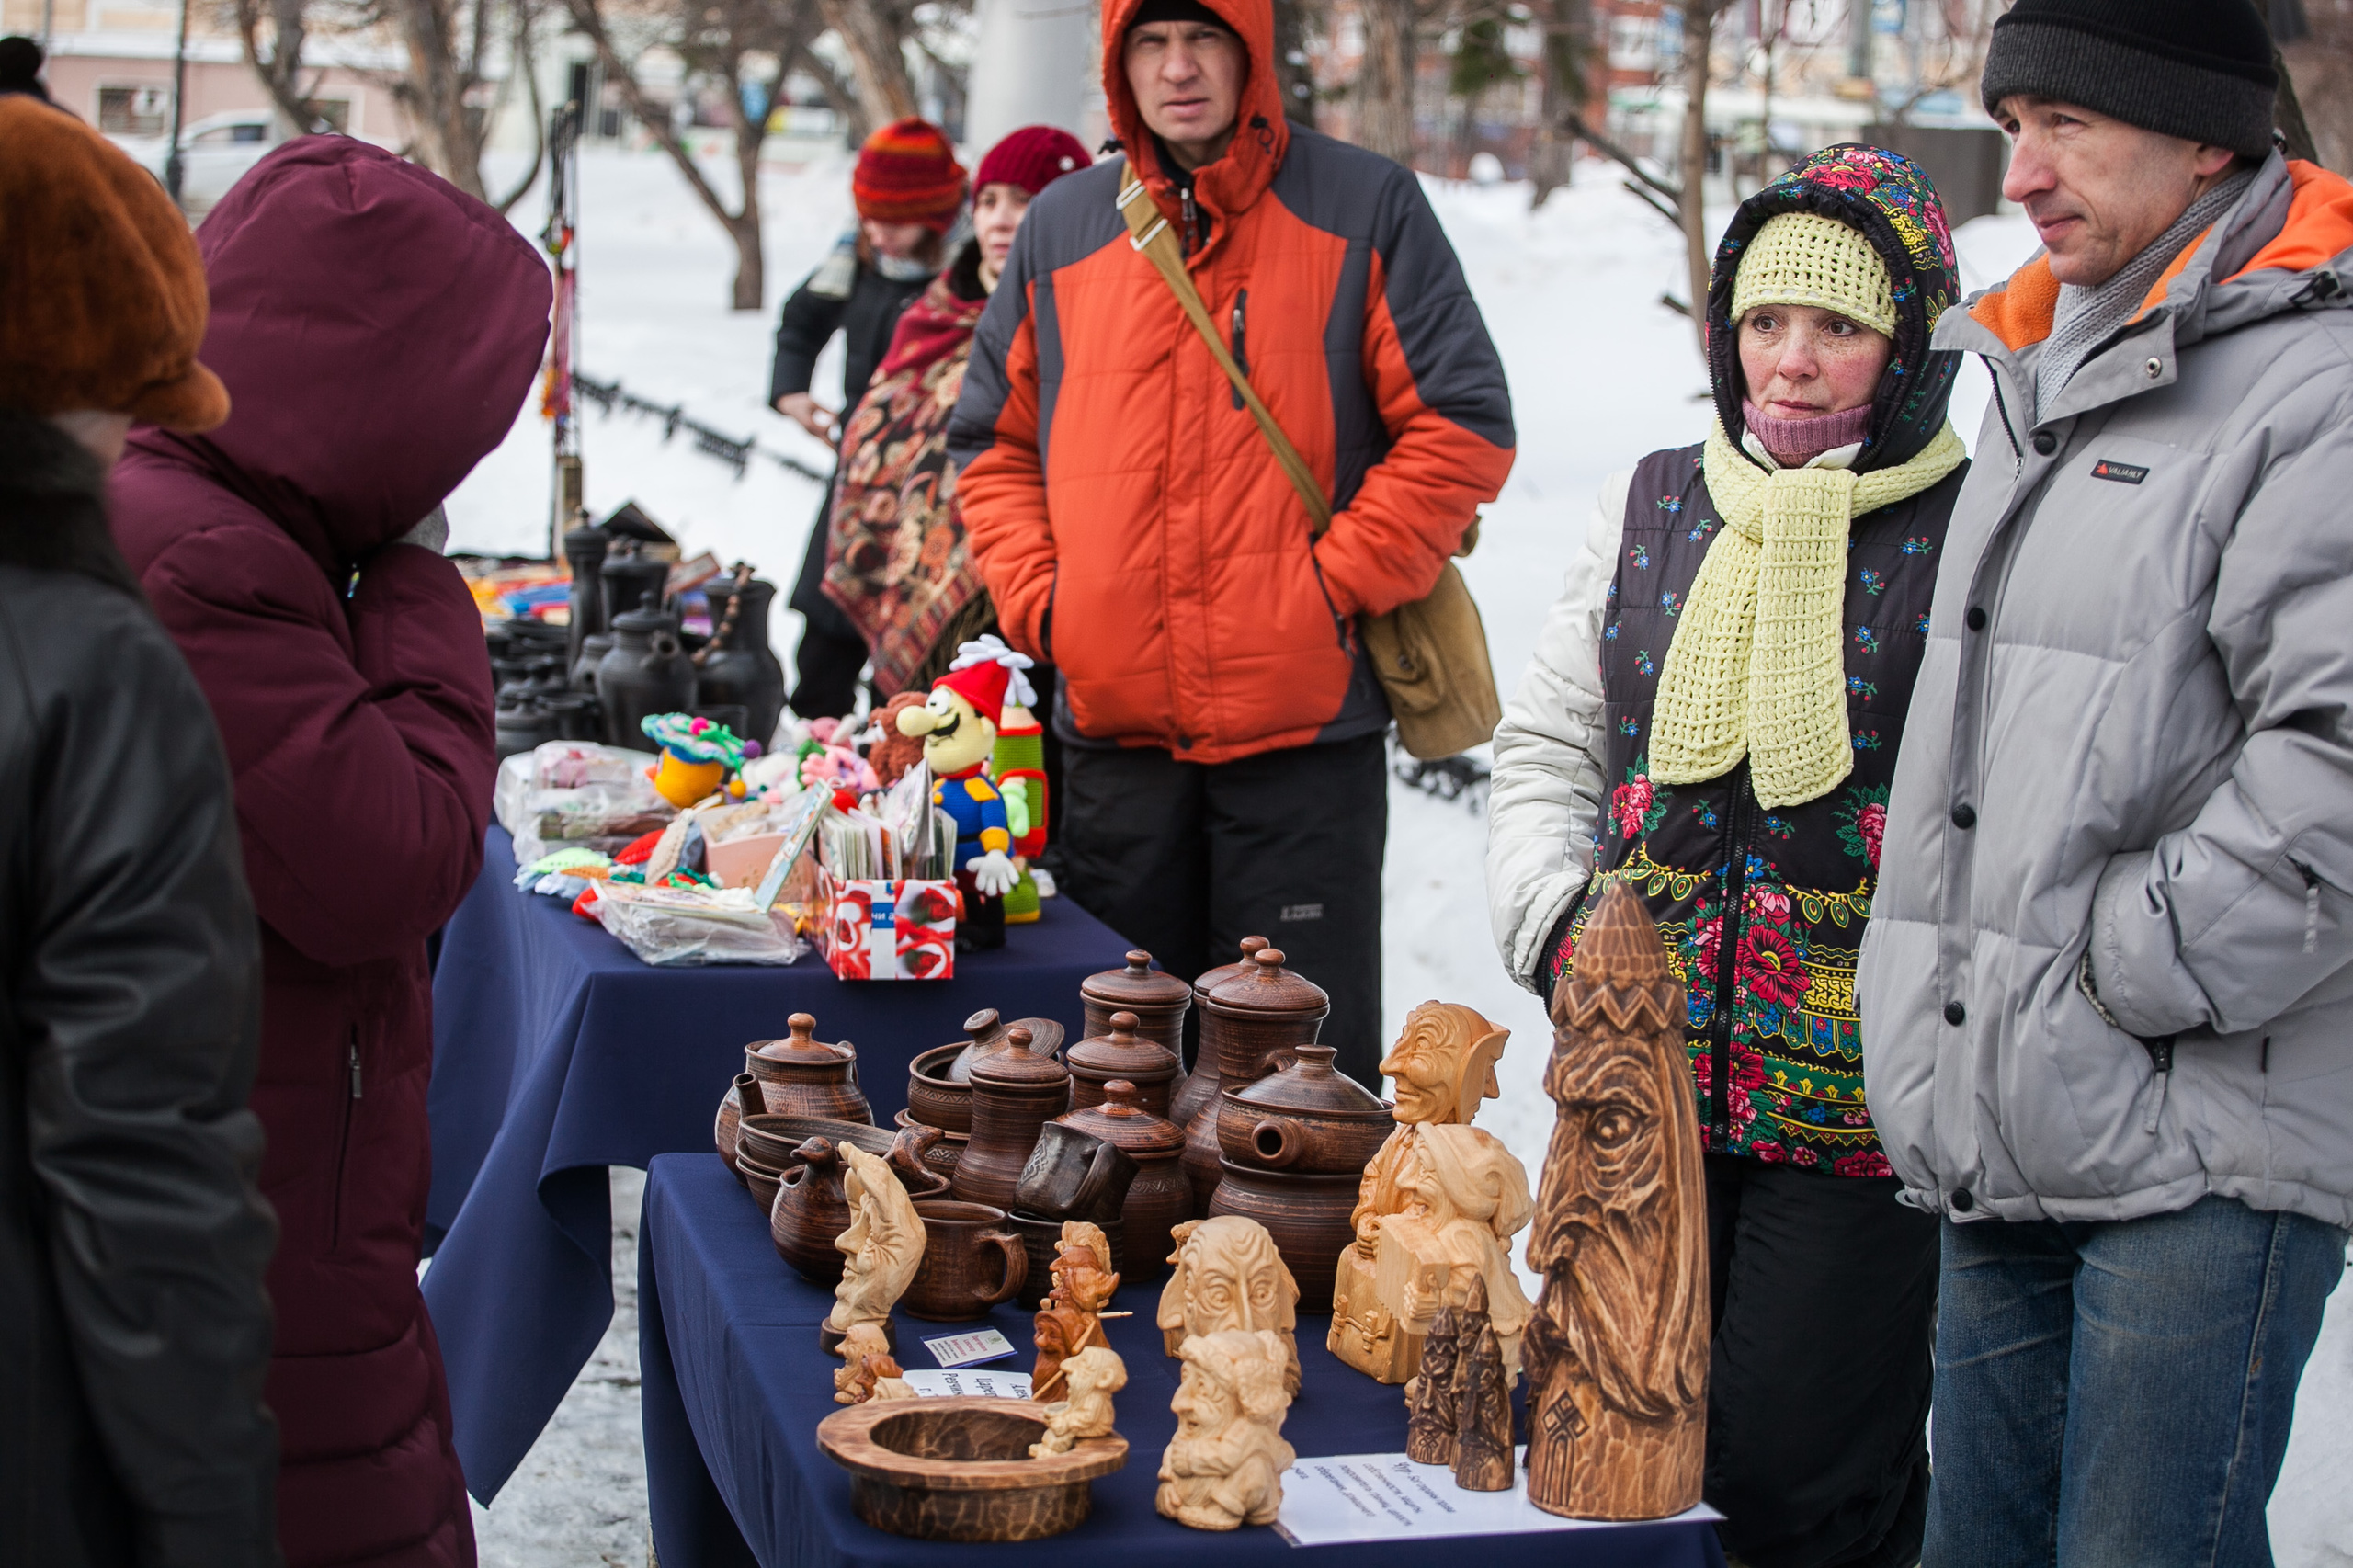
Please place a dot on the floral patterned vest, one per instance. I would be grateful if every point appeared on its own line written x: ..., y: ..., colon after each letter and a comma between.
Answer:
x: 1762, y: 912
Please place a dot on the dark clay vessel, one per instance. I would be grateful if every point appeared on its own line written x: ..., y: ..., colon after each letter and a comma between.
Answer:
x: 646, y: 672
x: 1122, y: 1050
x: 1200, y: 1090
x: 1250, y: 1025
x: 740, y: 667
x: 745, y: 1091
x: 1159, y: 1198
x: 811, y: 1208
x: 1305, y: 1119
x: 1158, y: 1000
x: 803, y: 1076
x: 1014, y: 1093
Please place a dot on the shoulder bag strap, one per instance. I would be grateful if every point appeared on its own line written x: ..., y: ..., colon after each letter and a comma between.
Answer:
x: 1149, y: 232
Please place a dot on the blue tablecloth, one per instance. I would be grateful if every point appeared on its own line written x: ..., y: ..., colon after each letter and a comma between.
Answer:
x: 734, y: 1386
x: 557, y: 1053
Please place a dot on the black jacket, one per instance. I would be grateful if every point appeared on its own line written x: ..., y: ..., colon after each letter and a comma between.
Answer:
x: 132, y: 1239
x: 847, y: 296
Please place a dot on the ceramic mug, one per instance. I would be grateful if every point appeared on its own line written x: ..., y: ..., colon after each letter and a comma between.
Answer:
x: 959, y: 1278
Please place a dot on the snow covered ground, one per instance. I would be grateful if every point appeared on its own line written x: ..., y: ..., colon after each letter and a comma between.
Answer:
x: 1600, y: 373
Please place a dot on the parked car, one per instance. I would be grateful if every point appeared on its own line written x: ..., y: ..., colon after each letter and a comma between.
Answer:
x: 215, y: 153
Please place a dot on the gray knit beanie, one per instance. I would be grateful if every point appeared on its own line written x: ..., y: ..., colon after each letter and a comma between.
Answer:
x: 2197, y: 69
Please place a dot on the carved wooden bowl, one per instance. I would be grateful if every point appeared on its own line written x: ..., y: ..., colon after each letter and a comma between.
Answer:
x: 960, y: 1468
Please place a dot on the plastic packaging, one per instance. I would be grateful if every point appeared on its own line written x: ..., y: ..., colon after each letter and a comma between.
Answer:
x: 576, y: 793
x: 669, y: 927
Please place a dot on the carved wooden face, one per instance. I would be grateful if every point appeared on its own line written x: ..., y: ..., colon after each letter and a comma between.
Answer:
x: 1607, y: 1169
x: 1444, y: 1064
x: 1234, y: 1280
x: 1205, y: 1403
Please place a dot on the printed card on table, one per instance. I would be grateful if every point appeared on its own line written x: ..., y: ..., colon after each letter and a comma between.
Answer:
x: 969, y: 1383
x: 1360, y: 1497
x: 966, y: 1350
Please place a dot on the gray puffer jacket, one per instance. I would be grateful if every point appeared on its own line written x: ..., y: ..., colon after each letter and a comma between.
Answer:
x: 2132, y: 737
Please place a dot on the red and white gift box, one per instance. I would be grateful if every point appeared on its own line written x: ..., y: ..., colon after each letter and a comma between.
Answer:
x: 884, y: 929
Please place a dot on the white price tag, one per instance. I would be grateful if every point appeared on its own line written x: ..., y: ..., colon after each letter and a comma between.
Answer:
x: 964, y: 1349
x: 979, y: 1383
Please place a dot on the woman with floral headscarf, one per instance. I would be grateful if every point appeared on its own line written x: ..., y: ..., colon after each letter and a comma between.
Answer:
x: 1712, y: 716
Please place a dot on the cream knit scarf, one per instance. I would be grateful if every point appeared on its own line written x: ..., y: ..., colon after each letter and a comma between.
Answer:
x: 1757, y: 668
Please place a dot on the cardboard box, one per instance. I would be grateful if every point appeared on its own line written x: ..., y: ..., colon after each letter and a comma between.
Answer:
x: 882, y: 929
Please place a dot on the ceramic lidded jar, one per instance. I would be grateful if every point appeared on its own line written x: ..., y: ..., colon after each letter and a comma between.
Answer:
x: 1250, y: 1024
x: 1158, y: 1000
x: 1159, y: 1199
x: 1014, y: 1093
x: 1307, y: 1118
x: 801, y: 1075
x: 1199, y: 1089
x: 1122, y: 1051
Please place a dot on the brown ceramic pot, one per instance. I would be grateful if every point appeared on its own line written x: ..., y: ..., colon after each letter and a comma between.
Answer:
x: 1043, y: 1238
x: 942, y: 1153
x: 811, y: 1209
x: 1306, y: 1215
x: 1122, y: 1051
x: 1159, y: 1199
x: 745, y: 1091
x: 1014, y: 1093
x: 936, y: 1099
x: 971, y: 1260
x: 989, y: 1036
x: 1250, y: 1024
x: 801, y: 1075
x: 1199, y: 1092
x: 1158, y: 1000
x: 774, y: 1140
x: 1305, y: 1119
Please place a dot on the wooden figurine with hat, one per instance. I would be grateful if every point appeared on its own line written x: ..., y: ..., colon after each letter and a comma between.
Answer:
x: 959, y: 722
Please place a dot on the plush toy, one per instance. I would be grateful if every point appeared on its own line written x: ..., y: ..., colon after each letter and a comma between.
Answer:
x: 959, y: 724
x: 840, y: 769
x: 892, y: 752
x: 697, y: 757
x: 1018, y: 767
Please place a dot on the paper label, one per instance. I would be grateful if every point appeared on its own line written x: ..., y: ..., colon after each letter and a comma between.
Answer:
x: 964, y: 1349
x: 970, y: 1384
x: 1357, y: 1497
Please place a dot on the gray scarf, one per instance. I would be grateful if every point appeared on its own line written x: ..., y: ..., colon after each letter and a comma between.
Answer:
x: 2089, y: 316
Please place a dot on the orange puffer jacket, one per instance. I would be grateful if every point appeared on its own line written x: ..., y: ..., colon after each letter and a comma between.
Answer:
x: 1126, y: 515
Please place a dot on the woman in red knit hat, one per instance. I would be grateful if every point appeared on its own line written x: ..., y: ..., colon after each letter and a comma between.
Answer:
x: 895, y: 558
x: 909, y: 190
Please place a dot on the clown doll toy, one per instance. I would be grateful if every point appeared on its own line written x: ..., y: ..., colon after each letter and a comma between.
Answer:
x: 959, y: 724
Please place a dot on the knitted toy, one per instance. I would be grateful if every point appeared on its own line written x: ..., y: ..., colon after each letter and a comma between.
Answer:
x: 1019, y: 767
x: 959, y: 724
x: 894, y: 753
x: 697, y: 756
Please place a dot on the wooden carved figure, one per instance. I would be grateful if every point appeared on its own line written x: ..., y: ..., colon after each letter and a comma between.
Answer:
x: 1071, y: 1322
x: 1617, y: 1352
x: 890, y: 1382
x: 880, y: 1250
x: 1482, y: 1453
x: 1430, y: 1395
x: 864, y: 1354
x: 1224, y: 1467
x: 1227, y: 1275
x: 1437, y: 1207
x: 1095, y: 1374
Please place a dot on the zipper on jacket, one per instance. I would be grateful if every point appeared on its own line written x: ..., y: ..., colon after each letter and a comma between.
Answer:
x: 2017, y: 453
x: 2160, y: 1052
x: 1737, y: 829
x: 1191, y: 221
x: 1241, y: 354
x: 343, y: 1139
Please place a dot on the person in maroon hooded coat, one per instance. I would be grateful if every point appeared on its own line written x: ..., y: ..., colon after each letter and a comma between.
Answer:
x: 378, y: 329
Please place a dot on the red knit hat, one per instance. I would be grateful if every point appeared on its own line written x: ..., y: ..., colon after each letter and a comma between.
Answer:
x: 983, y: 672
x: 1032, y: 157
x: 907, y: 172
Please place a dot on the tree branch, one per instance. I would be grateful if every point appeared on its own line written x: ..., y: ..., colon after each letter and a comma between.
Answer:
x: 592, y: 22
x: 1600, y: 142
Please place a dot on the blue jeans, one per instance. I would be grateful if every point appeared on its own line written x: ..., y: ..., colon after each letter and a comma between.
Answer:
x: 2118, y: 1394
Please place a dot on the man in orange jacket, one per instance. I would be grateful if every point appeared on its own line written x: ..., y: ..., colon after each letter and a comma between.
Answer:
x: 1221, y: 728
x: 1223, y: 731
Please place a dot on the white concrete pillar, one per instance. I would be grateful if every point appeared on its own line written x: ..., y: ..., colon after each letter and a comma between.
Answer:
x: 1034, y: 64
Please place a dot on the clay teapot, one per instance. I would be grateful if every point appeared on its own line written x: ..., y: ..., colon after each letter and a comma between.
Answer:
x: 811, y: 1209
x: 801, y: 1075
x: 1125, y: 1053
x: 1199, y: 1092
x: 646, y: 672
x: 745, y: 1091
x: 1159, y: 1198
x: 1250, y: 1024
x: 1157, y: 1000
x: 1014, y: 1093
x: 1306, y: 1119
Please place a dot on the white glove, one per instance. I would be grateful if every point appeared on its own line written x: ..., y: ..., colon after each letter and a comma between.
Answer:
x: 993, y: 874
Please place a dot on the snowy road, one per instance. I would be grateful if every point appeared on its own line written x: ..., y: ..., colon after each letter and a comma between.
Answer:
x: 1600, y: 374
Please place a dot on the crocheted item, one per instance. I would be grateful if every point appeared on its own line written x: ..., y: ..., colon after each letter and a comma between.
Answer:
x: 692, y: 739
x: 1032, y: 157
x: 1793, y: 443
x: 1804, y: 258
x: 907, y: 172
x: 1757, y: 668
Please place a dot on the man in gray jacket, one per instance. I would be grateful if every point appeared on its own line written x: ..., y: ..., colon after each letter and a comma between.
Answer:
x: 2106, y: 984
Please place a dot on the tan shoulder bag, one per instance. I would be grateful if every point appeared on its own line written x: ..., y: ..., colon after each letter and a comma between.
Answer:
x: 1430, y: 655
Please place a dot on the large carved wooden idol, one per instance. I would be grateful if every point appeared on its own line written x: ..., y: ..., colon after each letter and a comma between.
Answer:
x: 1617, y: 1352
x: 1437, y: 1209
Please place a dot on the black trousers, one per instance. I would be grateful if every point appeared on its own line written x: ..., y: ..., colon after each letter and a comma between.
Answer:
x: 831, y: 653
x: 1185, y: 861
x: 1824, y: 1295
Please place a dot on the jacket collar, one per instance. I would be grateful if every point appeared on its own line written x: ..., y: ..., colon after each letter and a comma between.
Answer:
x: 52, y: 505
x: 1226, y: 188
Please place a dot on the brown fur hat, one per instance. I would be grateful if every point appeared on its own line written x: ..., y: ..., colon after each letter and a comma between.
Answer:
x: 102, y: 299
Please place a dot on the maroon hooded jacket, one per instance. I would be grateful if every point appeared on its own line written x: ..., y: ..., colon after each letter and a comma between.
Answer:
x: 377, y: 331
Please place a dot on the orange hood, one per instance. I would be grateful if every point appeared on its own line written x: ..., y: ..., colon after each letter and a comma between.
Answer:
x: 2319, y: 228
x: 1230, y: 185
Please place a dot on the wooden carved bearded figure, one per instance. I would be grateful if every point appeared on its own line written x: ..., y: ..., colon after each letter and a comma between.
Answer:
x: 1616, y: 1350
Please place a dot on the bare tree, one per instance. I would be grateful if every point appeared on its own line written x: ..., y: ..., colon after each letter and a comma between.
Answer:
x: 1385, y: 80
x: 1294, y: 20
x: 2321, y: 65
x: 874, y: 33
x: 1698, y: 47
x: 725, y: 41
x: 1568, y: 56
x: 280, y: 70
